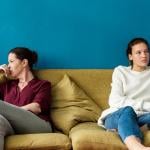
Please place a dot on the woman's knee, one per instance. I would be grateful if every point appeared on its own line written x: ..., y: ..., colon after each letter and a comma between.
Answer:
x: 5, y: 127
x: 128, y: 110
x: 127, y: 114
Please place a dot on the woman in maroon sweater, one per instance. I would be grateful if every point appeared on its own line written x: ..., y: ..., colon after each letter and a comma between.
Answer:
x: 24, y: 104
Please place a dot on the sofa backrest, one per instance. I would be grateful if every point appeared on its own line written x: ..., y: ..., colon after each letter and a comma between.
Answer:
x: 95, y: 82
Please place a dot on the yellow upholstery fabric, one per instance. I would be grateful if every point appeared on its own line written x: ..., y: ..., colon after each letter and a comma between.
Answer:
x: 147, y: 138
x: 89, y: 136
x: 84, y: 136
x: 70, y: 105
x: 43, y: 141
x: 95, y: 82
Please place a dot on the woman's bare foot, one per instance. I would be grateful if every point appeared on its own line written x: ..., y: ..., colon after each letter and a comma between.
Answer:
x: 134, y: 143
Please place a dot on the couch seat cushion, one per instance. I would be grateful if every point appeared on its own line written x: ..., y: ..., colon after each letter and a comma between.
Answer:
x: 42, y: 141
x: 147, y: 138
x: 89, y: 136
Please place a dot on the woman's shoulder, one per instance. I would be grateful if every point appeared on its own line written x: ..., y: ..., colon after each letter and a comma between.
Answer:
x: 121, y: 68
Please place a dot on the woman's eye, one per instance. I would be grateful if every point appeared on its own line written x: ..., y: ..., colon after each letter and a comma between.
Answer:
x: 10, y: 61
x: 146, y: 52
x: 138, y: 52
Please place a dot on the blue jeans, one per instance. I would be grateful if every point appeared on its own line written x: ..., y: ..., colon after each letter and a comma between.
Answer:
x: 126, y: 122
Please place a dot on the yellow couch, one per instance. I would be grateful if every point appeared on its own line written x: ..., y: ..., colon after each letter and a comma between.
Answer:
x: 78, y: 97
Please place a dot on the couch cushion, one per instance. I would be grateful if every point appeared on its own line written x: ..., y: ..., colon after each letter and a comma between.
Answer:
x: 147, y: 138
x: 89, y: 136
x: 43, y: 141
x: 96, y: 82
x: 70, y: 105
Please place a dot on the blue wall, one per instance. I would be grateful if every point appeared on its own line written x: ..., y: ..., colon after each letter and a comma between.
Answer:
x: 73, y: 33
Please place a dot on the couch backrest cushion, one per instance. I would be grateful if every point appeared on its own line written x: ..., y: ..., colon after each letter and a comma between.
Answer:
x: 70, y: 105
x: 94, y: 82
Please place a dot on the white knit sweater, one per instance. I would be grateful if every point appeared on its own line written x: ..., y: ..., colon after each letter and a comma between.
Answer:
x: 129, y: 88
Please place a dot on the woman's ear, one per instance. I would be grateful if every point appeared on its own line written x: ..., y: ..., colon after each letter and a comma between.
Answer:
x: 130, y: 57
x: 25, y: 62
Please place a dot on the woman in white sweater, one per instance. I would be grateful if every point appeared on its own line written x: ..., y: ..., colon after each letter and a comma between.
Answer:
x: 129, y: 99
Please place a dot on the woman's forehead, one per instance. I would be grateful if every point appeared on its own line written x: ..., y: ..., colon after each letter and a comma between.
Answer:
x: 12, y: 56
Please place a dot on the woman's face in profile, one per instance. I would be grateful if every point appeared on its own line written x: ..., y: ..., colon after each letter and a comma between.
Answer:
x: 140, y: 56
x: 15, y: 65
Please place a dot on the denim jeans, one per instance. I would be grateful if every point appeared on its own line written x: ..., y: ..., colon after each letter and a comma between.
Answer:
x: 126, y: 122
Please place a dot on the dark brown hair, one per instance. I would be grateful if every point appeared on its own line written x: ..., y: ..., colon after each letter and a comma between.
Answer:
x: 134, y: 42
x: 25, y: 53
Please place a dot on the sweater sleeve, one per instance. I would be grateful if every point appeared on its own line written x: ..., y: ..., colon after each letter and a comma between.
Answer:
x: 118, y: 98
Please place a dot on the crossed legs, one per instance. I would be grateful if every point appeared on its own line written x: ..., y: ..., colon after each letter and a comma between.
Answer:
x: 15, y: 119
x: 126, y: 122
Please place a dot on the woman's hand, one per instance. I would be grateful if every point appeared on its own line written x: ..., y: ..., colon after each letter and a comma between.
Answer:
x: 33, y: 107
